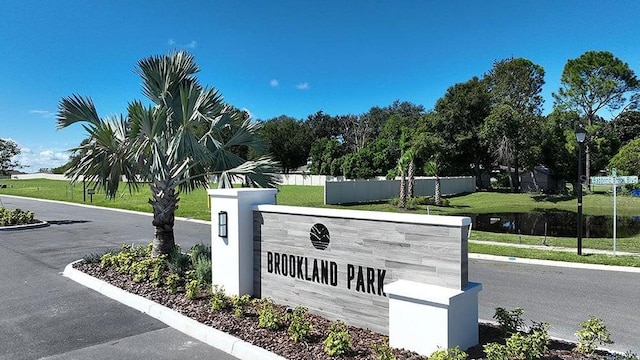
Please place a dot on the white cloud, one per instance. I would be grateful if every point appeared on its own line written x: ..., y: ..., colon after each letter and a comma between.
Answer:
x: 32, y: 161
x: 44, y: 113
x: 274, y: 83
x: 303, y: 86
x: 190, y: 45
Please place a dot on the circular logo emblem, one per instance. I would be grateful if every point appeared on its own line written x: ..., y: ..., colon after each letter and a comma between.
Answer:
x: 320, y: 236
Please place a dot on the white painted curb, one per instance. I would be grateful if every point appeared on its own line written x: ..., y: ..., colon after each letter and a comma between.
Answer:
x: 208, y: 335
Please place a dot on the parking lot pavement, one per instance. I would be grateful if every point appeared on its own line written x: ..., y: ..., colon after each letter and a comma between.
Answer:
x: 45, y: 315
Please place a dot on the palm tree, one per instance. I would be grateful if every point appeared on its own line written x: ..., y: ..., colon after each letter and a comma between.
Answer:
x: 403, y: 165
x: 174, y: 144
x: 432, y: 168
x: 411, y: 173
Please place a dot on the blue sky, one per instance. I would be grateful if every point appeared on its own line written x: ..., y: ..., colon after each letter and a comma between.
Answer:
x: 282, y: 57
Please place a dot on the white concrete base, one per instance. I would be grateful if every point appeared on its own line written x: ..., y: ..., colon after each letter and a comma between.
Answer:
x: 423, y: 317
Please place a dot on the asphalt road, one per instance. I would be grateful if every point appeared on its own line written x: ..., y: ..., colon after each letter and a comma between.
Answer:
x: 564, y: 297
x: 45, y: 314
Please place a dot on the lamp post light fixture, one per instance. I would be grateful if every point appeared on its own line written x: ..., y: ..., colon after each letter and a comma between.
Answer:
x: 581, y: 134
x: 222, y: 224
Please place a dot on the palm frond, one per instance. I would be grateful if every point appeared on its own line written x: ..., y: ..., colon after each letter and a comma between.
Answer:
x: 261, y: 172
x: 162, y: 75
x: 74, y: 109
x: 106, y: 160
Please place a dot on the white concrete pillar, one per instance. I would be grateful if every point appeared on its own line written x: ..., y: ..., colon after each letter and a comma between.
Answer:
x: 232, y: 256
x: 424, y: 317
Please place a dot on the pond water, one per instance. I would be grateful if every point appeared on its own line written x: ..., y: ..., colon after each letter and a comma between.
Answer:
x: 555, y: 223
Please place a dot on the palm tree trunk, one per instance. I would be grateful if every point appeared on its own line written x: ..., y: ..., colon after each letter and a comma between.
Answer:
x: 412, y: 180
x: 402, y: 201
x: 164, y: 203
x: 437, y: 194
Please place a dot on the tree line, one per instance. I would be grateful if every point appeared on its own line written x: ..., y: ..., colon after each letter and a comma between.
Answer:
x: 488, y: 122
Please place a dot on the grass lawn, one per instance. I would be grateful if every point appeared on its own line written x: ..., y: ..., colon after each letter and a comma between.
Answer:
x: 195, y: 205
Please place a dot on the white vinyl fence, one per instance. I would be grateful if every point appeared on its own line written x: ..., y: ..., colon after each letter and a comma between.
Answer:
x: 357, y: 191
x: 309, y: 180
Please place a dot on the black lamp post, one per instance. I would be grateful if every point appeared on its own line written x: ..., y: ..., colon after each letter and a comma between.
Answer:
x: 581, y: 134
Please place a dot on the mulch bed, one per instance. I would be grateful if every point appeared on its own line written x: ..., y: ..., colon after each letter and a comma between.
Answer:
x: 279, y: 342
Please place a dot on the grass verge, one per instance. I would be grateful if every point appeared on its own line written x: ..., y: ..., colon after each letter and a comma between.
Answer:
x: 510, y: 251
x: 195, y: 205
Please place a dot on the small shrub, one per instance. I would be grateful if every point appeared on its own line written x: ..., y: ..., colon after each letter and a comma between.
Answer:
x: 593, y: 332
x: 172, y: 283
x: 199, y: 251
x: 179, y: 262
x: 158, y: 269
x: 510, y: 322
x: 139, y: 271
x: 299, y: 324
x: 521, y: 346
x: 338, y: 342
x: 448, y: 354
x: 269, y: 316
x: 192, y: 289
x: 108, y: 260
x: 240, y: 304
x: 92, y: 258
x: 202, y: 270
x: 383, y: 351
x: 142, y: 251
x: 15, y: 217
x: 218, y: 298
x: 626, y: 356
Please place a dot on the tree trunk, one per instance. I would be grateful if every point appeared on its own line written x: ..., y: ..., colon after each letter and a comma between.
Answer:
x: 534, y: 181
x: 478, y: 174
x: 587, y: 167
x: 517, y: 177
x: 402, y: 201
x: 437, y: 194
x: 164, y: 202
x: 510, y: 173
x: 412, y: 180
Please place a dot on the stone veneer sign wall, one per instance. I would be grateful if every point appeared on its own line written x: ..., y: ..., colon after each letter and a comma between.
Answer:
x: 337, y: 262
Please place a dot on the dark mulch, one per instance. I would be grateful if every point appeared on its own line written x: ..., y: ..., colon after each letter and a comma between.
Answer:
x: 246, y: 328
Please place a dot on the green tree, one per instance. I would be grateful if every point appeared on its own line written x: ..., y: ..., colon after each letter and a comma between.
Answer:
x: 288, y: 141
x: 591, y: 82
x: 559, y: 145
x: 432, y: 168
x: 323, y: 125
x: 627, y: 159
x: 159, y: 143
x: 8, y: 150
x: 326, y: 157
x: 460, y: 114
x: 358, y: 165
x: 510, y: 128
x: 356, y: 132
x: 626, y: 126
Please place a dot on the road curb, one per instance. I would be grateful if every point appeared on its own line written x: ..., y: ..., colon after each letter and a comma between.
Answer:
x: 37, y: 225
x: 208, y: 335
